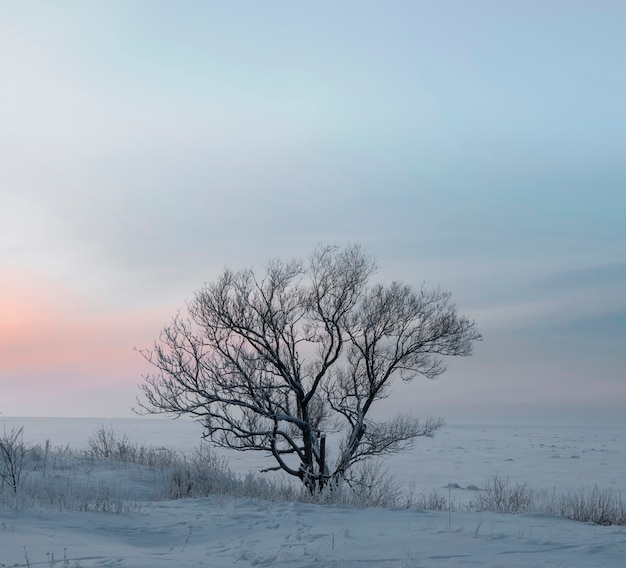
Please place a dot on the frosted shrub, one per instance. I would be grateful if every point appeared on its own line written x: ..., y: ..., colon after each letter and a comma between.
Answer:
x: 158, y: 458
x: 430, y: 502
x: 599, y: 506
x: 103, y: 442
x: 371, y: 485
x: 205, y: 473
x: 12, y: 456
x: 107, y: 444
x: 201, y: 475
x: 498, y: 495
x: 368, y: 485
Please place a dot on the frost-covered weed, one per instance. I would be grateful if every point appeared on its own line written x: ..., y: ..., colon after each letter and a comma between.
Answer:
x: 430, y: 502
x: 105, y: 443
x: 117, y: 476
x: 499, y: 495
x: 599, y: 506
x: 52, y: 561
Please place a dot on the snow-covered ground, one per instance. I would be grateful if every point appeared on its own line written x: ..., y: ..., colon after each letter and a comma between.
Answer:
x: 226, y: 531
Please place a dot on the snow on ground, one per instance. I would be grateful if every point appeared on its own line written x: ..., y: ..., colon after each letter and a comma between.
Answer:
x: 221, y: 532
x: 566, y: 458
x: 226, y: 531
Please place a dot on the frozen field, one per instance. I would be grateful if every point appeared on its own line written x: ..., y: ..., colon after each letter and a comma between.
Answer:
x: 224, y: 531
x: 543, y: 457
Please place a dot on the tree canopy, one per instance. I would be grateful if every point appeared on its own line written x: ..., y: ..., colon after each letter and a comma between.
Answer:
x: 276, y: 363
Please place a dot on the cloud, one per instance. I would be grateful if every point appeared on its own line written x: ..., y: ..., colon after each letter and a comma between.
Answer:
x: 144, y: 148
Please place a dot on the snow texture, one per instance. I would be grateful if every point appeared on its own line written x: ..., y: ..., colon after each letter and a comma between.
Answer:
x: 222, y: 531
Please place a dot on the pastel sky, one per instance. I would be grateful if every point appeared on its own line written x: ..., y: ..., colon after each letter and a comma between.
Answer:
x: 477, y: 145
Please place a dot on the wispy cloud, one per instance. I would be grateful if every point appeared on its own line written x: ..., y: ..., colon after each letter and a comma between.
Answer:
x: 146, y: 146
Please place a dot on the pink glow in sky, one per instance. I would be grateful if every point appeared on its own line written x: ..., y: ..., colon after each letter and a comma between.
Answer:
x: 55, y: 345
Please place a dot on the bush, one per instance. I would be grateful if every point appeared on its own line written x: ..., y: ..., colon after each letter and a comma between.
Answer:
x: 201, y: 475
x: 368, y: 485
x: 107, y: 444
x: 498, y: 495
x: 431, y: 502
x: 102, y: 442
x: 12, y: 454
x: 599, y: 506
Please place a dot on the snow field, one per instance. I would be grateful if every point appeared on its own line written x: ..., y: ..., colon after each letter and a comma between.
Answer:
x: 225, y: 531
x: 88, y: 511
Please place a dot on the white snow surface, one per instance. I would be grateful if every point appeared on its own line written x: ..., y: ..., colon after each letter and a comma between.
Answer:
x: 222, y: 531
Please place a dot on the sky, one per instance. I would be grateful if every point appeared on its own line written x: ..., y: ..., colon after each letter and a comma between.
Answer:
x: 479, y: 146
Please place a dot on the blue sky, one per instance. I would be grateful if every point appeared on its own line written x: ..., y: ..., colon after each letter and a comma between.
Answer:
x: 477, y: 145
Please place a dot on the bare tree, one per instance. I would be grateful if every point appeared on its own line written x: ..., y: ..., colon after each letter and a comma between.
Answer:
x: 278, y: 363
x: 12, y: 454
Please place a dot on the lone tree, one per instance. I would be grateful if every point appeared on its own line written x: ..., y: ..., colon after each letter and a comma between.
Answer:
x: 276, y: 363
